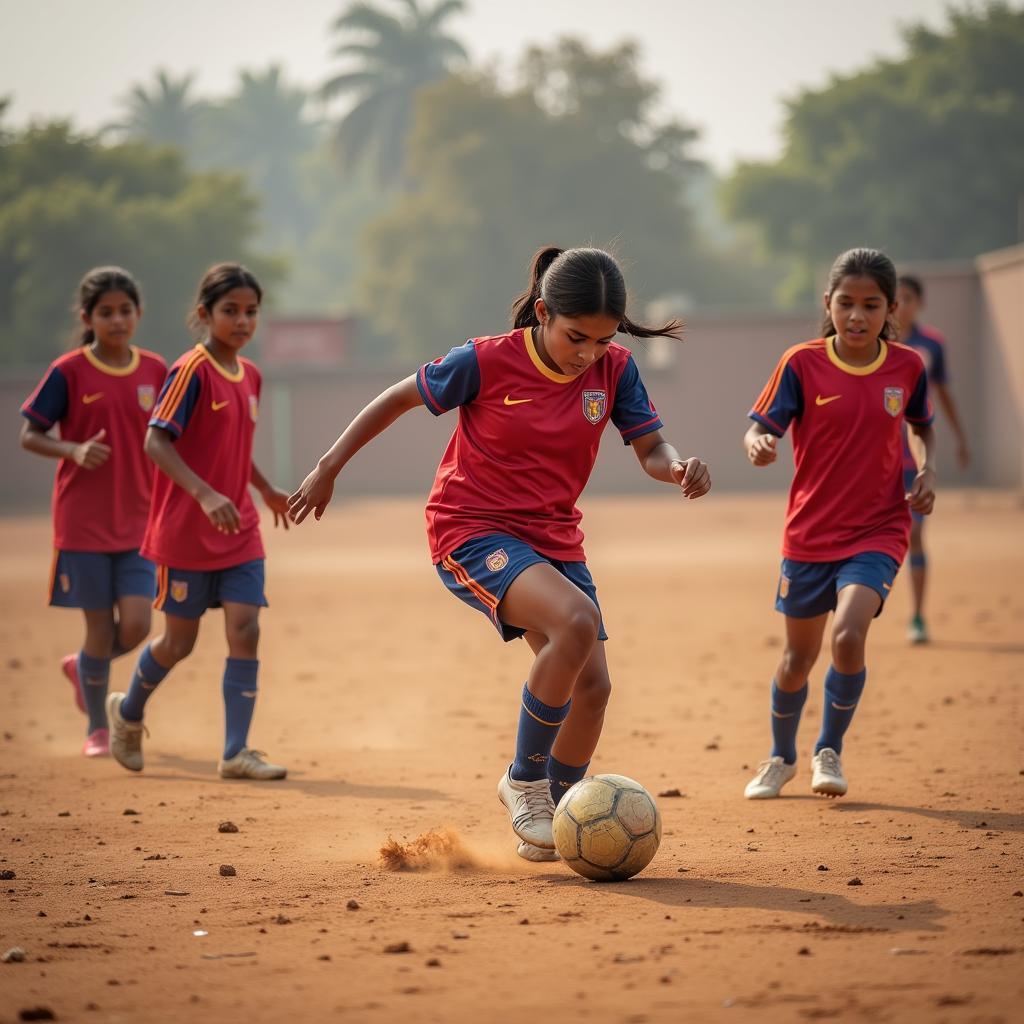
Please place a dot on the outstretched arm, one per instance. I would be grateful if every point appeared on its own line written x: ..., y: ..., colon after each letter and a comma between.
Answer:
x: 219, y: 508
x: 276, y: 499
x: 316, y: 490
x: 662, y: 462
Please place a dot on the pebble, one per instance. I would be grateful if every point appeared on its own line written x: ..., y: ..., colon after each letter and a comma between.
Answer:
x: 15, y: 955
x: 227, y: 871
x: 227, y: 826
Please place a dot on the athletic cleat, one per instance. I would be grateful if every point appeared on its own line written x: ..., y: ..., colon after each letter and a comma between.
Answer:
x: 771, y: 776
x: 917, y: 632
x: 531, y: 809
x: 827, y: 773
x: 250, y: 764
x: 97, y: 743
x: 69, y: 666
x: 538, y: 854
x: 125, y: 736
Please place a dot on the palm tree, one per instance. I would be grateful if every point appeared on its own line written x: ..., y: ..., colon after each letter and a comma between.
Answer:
x: 398, y: 56
x: 166, y: 114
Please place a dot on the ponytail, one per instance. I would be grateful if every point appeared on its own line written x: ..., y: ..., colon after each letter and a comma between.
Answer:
x: 581, y: 282
x: 523, y: 312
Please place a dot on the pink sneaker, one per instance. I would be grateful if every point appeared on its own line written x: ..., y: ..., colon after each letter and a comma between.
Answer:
x: 97, y: 744
x: 69, y: 666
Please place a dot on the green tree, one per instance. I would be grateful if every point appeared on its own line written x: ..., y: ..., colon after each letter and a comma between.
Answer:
x: 501, y: 173
x: 164, y: 114
x: 396, y: 57
x: 923, y: 156
x: 68, y: 202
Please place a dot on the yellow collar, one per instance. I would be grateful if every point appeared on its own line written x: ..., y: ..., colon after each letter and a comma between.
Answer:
x: 113, y: 371
x: 531, y: 348
x: 856, y: 371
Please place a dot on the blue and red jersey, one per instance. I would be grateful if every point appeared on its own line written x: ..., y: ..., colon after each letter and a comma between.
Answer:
x: 102, y: 509
x: 847, y: 493
x: 526, y: 440
x: 930, y: 345
x: 211, y: 415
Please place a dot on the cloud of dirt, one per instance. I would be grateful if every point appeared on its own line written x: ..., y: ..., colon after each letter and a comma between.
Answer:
x: 440, y: 849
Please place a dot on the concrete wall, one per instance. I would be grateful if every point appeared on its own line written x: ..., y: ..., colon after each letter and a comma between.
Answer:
x: 703, y: 388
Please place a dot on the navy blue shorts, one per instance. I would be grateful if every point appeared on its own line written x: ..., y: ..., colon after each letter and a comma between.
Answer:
x: 480, y: 571
x: 187, y: 593
x: 809, y: 589
x: 96, y: 579
x: 909, y: 476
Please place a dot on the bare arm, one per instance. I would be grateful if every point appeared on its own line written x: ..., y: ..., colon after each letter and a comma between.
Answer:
x: 219, y: 509
x: 87, y: 454
x: 316, y: 490
x: 760, y: 444
x: 276, y: 499
x: 945, y: 396
x: 922, y: 446
x: 662, y: 462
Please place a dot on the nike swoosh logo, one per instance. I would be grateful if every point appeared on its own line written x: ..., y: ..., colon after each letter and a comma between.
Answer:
x: 516, y: 401
x: 824, y: 401
x: 89, y: 399
x: 217, y: 406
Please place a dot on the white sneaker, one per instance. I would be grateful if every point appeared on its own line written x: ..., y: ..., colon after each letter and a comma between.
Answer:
x: 125, y: 736
x: 771, y: 776
x: 531, y: 809
x: 827, y: 773
x: 917, y: 631
x: 250, y: 764
x: 538, y: 854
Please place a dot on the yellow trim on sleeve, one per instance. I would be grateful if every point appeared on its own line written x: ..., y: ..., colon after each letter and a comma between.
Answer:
x: 531, y: 348
x: 856, y: 371
x: 113, y: 371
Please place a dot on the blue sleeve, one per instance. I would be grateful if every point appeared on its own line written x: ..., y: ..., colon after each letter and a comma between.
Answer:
x: 938, y: 372
x: 450, y: 382
x: 919, y: 408
x: 49, y: 402
x: 175, y: 405
x: 632, y: 411
x: 781, y: 401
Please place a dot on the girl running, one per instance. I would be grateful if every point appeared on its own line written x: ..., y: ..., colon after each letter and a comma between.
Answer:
x: 502, y: 520
x: 203, y: 529
x: 101, y: 396
x: 847, y: 395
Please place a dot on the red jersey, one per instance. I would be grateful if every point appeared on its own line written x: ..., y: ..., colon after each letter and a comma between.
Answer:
x: 102, y: 509
x: 526, y: 440
x: 847, y: 493
x: 211, y: 414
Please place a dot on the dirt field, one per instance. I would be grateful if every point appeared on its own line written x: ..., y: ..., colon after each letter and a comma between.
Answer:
x: 394, y: 708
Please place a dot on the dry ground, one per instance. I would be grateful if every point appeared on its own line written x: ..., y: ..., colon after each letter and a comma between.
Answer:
x: 393, y: 706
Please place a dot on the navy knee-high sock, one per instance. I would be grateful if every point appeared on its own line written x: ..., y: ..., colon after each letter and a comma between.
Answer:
x: 786, y: 708
x: 562, y: 776
x: 148, y: 675
x: 538, y: 728
x: 842, y: 692
x: 239, y: 687
x: 93, y: 676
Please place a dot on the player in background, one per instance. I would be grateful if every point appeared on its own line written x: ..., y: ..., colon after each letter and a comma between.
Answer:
x: 846, y: 395
x: 502, y: 521
x: 100, y: 395
x: 203, y: 529
x: 930, y: 345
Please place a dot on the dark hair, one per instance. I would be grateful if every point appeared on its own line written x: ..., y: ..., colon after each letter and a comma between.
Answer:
x: 863, y: 263
x: 912, y: 283
x: 220, y: 279
x: 96, y: 283
x: 581, y: 282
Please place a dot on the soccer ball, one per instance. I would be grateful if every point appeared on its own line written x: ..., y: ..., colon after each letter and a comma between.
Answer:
x: 607, y: 828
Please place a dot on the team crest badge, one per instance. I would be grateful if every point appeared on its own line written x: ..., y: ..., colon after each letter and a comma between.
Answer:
x: 65, y: 582
x: 254, y: 407
x: 497, y: 560
x: 179, y: 590
x: 783, y: 587
x: 894, y: 401
x: 147, y: 396
x: 594, y: 403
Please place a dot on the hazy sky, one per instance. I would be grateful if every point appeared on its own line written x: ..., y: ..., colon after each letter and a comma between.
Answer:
x: 726, y: 65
